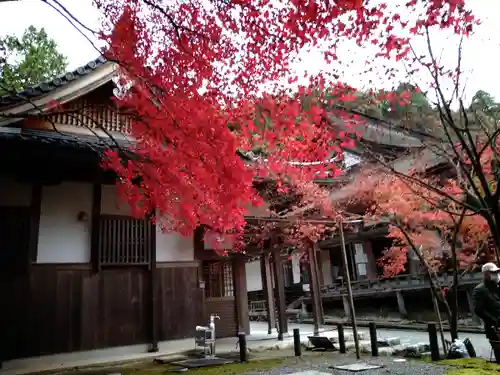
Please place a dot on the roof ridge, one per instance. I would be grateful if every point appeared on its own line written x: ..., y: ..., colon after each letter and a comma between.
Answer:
x: 54, y: 83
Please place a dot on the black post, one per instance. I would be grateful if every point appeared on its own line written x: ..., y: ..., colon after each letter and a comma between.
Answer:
x: 340, y: 329
x: 296, y: 342
x: 373, y: 338
x: 433, y: 341
x: 242, y: 340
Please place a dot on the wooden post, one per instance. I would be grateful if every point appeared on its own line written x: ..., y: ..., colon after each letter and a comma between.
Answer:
x: 319, y: 277
x: 314, y: 289
x: 280, y: 292
x: 241, y: 294
x: 267, y: 288
x: 373, y: 339
x: 340, y: 330
x: 297, y: 346
x: 401, y: 304
x: 154, y: 292
x: 94, y: 233
x: 242, y: 341
x: 433, y: 341
x: 34, y: 228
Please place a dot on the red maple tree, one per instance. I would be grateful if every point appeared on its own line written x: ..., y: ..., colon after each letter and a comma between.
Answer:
x: 205, y: 89
x: 421, y: 220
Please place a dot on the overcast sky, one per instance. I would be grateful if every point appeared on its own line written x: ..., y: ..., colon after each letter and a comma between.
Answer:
x: 481, y: 52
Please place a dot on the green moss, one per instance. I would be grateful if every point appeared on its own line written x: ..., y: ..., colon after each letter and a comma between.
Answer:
x: 471, y: 366
x: 229, y: 369
x: 471, y: 371
x: 151, y: 368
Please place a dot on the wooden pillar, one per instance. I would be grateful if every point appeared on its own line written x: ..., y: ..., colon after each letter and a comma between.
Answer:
x: 199, y: 248
x: 94, y: 233
x: 34, y: 228
x: 345, y: 303
x: 470, y: 303
x: 267, y: 288
x: 280, y: 292
x: 319, y: 283
x: 401, y: 304
x: 154, y: 292
x: 314, y: 289
x: 241, y: 294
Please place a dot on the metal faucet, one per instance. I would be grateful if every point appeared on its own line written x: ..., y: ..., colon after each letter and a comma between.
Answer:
x: 212, y: 332
x: 212, y: 321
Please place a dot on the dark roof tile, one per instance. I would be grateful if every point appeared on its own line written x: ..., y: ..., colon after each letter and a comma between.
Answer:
x: 46, y: 87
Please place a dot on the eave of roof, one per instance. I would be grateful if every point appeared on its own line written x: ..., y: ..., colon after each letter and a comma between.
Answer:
x: 62, y: 89
x: 97, y: 144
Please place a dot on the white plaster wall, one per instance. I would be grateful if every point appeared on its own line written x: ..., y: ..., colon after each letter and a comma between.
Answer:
x: 296, y: 269
x: 325, y: 267
x: 173, y: 247
x: 14, y: 194
x: 253, y: 274
x: 111, y: 204
x: 254, y: 277
x: 62, y: 238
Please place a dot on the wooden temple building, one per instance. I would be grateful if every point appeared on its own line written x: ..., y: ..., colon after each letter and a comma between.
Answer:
x: 406, y: 296
x: 78, y: 272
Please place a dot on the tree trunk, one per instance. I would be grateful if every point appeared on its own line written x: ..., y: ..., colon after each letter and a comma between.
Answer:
x: 454, y: 298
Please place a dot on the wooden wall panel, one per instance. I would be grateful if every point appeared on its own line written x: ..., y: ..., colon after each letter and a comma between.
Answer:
x: 63, y: 308
x: 124, y: 306
x: 180, y: 284
x: 224, y: 307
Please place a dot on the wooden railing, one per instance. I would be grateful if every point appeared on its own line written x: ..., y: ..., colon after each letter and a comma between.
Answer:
x: 125, y: 241
x: 400, y: 282
x: 84, y: 114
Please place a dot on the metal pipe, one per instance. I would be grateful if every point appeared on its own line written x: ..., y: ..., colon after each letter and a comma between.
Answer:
x: 349, y: 290
x: 212, y: 332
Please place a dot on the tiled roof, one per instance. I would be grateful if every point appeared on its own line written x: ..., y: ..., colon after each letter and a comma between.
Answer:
x: 89, y: 142
x: 46, y: 87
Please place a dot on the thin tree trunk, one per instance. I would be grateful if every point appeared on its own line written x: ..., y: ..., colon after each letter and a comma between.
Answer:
x: 454, y: 299
x: 440, y: 321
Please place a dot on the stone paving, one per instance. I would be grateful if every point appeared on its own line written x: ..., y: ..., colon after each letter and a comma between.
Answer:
x: 392, y: 341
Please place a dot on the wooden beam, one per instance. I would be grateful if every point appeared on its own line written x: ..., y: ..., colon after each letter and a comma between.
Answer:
x: 94, y: 233
x: 241, y: 294
x: 267, y: 288
x: 279, y: 284
x: 34, y: 228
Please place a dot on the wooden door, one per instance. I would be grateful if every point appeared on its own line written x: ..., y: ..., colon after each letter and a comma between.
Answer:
x: 14, y: 281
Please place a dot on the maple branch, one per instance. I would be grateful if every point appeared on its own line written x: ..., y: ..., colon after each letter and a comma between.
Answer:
x: 68, y: 16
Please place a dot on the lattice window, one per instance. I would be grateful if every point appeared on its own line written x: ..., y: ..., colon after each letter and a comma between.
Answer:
x: 228, y: 279
x: 125, y: 241
x: 219, y: 279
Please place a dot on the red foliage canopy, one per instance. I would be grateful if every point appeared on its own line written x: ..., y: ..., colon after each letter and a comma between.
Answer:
x: 422, y: 218
x: 199, y: 69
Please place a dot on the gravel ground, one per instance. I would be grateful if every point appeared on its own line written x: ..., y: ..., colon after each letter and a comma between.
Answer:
x: 322, y: 364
